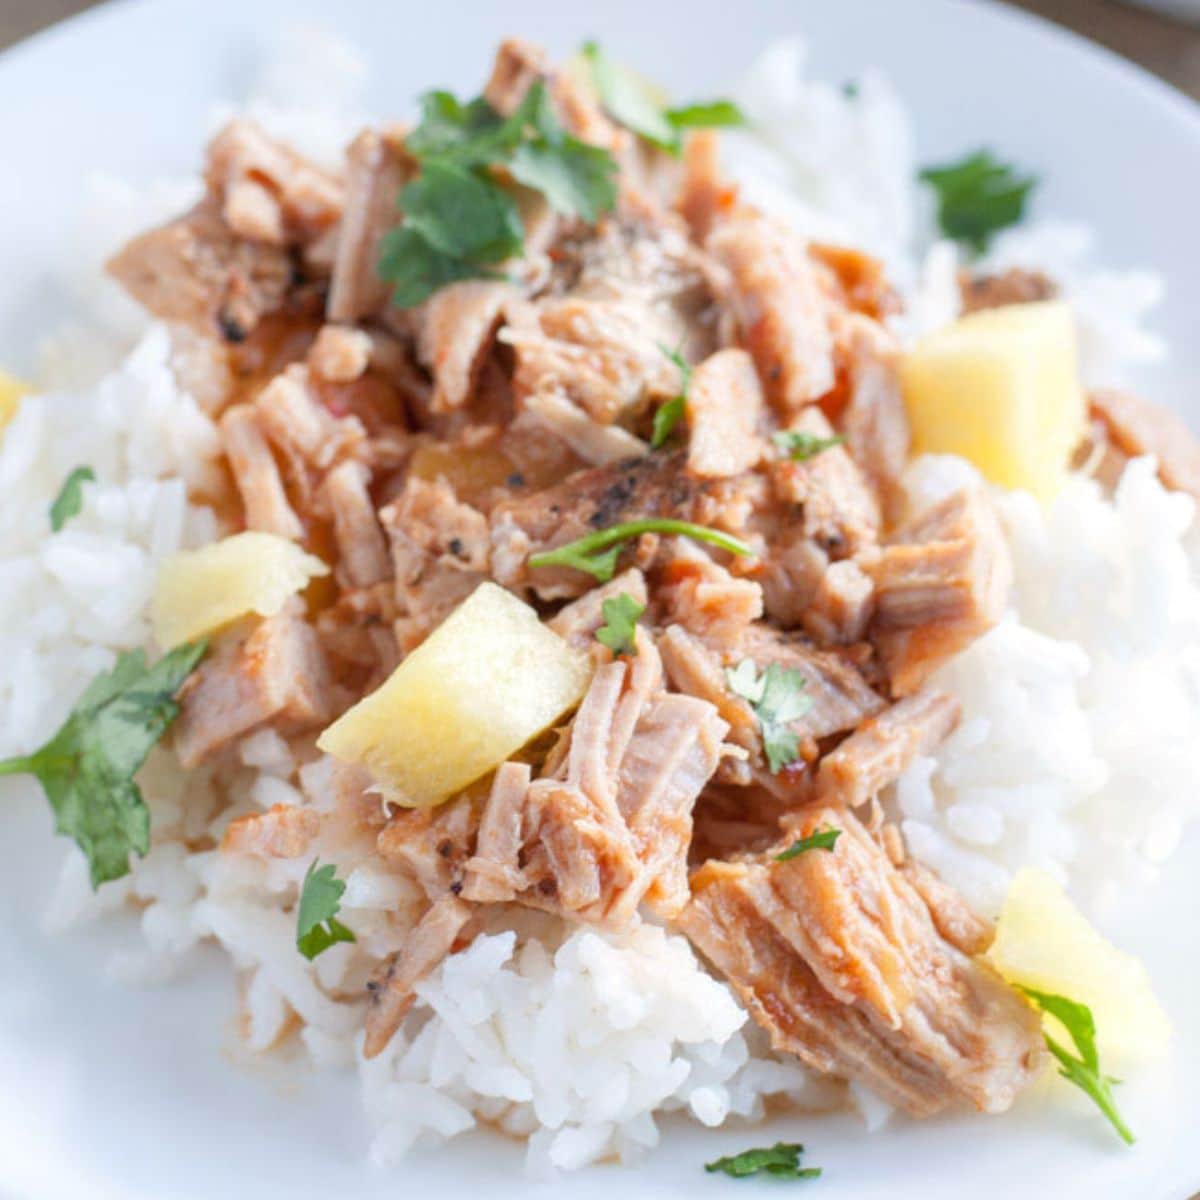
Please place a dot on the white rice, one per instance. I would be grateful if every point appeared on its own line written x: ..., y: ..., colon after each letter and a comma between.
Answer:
x: 576, y: 1039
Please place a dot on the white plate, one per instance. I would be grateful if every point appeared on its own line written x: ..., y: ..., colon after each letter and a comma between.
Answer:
x: 136, y: 1095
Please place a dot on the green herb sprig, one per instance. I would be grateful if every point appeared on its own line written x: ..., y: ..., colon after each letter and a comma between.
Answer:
x: 777, y: 698
x: 317, y: 926
x: 619, y: 631
x: 671, y: 413
x: 597, y: 553
x: 1082, y: 1068
x: 823, y: 839
x: 69, y: 501
x: 800, y: 445
x: 977, y: 197
x: 781, y: 1160
x: 87, y: 768
x: 459, y: 221
x: 627, y: 98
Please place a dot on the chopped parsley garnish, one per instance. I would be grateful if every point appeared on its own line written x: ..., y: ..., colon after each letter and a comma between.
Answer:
x: 781, y: 1160
x: 777, y: 697
x: 620, y: 623
x: 1084, y: 1070
x: 800, y: 445
x: 671, y: 413
x: 977, y: 197
x: 317, y: 926
x: 597, y: 553
x: 632, y: 102
x: 69, y: 500
x: 823, y: 839
x: 87, y: 768
x: 459, y: 222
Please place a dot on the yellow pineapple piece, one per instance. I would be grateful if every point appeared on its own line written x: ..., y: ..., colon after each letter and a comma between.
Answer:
x: 11, y: 391
x: 1000, y: 388
x: 485, y: 682
x: 199, y: 591
x: 1044, y: 942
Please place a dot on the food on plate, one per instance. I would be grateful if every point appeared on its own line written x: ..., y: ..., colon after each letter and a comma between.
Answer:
x: 607, y: 650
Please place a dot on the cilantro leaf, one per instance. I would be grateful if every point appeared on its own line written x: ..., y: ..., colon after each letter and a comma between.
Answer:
x: 320, y: 900
x: 711, y: 114
x: 597, y: 553
x: 576, y: 179
x: 69, y: 500
x: 977, y: 197
x: 669, y: 415
x: 462, y: 214
x: 629, y: 100
x: 778, y: 699
x: 86, y: 769
x: 621, y: 615
x: 451, y: 129
x: 781, y: 1160
x: 800, y: 445
x: 823, y: 839
x: 1083, y: 1071
x: 416, y: 269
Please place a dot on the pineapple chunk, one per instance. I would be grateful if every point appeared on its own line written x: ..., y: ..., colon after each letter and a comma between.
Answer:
x: 199, y: 591
x: 485, y: 682
x: 1045, y: 943
x: 11, y: 391
x: 1001, y: 389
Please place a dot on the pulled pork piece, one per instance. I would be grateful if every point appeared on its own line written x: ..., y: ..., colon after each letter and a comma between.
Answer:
x: 780, y: 309
x: 724, y: 416
x: 591, y: 441
x: 391, y: 990
x: 362, y: 549
x: 874, y: 421
x: 300, y: 426
x: 276, y: 675
x: 376, y: 170
x: 439, y: 551
x: 841, y: 605
x: 837, y: 957
x: 1136, y: 426
x: 588, y: 500
x: 858, y: 281
x: 517, y: 67
x: 283, y: 831
x: 882, y: 748
x: 196, y: 270
x: 602, y: 355
x: 340, y: 354
x: 940, y: 582
x: 256, y: 475
x: 1014, y: 286
x: 840, y: 511
x: 704, y: 194
x: 610, y: 826
x: 456, y: 326
x: 268, y: 192
x: 704, y: 597
x: 956, y: 921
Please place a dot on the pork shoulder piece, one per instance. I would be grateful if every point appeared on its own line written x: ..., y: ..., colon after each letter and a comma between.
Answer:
x: 455, y: 329
x: 283, y: 831
x: 607, y: 827
x: 836, y: 956
x: 882, y: 748
x: 268, y: 192
x: 362, y: 549
x: 780, y: 309
x: 1014, y: 286
x: 276, y: 675
x: 1136, y: 426
x: 390, y: 991
x: 941, y: 581
x: 197, y: 271
x: 256, y: 474
x: 724, y: 416
x: 376, y: 169
x: 874, y: 421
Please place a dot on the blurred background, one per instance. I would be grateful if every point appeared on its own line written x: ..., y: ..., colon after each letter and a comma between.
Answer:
x: 1162, y: 35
